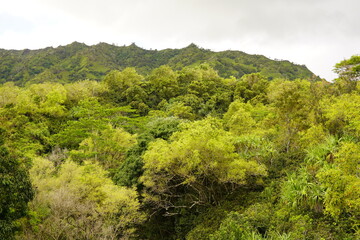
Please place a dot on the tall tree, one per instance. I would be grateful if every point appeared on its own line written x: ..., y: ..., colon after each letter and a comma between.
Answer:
x: 349, y: 74
x: 195, y: 166
x: 349, y: 68
x: 15, y: 191
x: 79, y: 202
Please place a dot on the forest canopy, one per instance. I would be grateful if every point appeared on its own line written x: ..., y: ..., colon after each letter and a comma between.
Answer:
x: 169, y: 147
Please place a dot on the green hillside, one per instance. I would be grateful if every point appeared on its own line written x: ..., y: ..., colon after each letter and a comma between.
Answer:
x: 78, y: 61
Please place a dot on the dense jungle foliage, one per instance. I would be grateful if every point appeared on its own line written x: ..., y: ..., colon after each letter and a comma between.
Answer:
x: 176, y: 151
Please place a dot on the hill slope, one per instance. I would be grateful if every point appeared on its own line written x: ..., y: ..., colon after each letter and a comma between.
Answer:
x: 79, y: 61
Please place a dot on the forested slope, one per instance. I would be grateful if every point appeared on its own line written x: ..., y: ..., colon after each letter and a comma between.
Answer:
x: 78, y: 61
x: 180, y: 154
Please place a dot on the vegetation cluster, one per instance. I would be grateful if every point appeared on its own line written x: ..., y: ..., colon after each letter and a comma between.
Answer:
x: 177, y: 151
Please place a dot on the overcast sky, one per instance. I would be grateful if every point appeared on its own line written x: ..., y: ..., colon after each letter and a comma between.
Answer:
x: 317, y: 33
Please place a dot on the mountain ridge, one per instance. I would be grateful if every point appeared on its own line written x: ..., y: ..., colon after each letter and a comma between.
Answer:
x: 78, y: 61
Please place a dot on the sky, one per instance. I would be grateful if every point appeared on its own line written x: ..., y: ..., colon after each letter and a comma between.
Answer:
x: 316, y: 33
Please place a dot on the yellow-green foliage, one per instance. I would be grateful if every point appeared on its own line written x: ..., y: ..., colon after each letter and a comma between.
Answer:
x: 108, y: 147
x: 199, y: 154
x: 8, y: 94
x: 80, y: 202
x: 343, y: 114
x: 44, y: 98
x: 238, y: 118
x: 341, y: 181
x: 82, y: 90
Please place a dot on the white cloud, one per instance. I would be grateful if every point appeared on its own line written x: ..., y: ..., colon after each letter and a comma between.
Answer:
x: 316, y: 33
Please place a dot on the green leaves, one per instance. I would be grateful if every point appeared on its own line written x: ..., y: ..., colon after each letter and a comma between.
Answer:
x: 341, y: 180
x: 239, y: 119
x: 15, y: 191
x: 343, y: 114
x: 163, y: 83
x: 107, y: 147
x: 46, y: 98
x: 123, y: 85
x: 81, y: 202
x: 201, y: 154
x: 252, y: 87
x: 349, y: 68
x: 300, y: 192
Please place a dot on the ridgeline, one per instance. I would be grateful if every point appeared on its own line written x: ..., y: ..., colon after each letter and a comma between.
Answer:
x: 78, y: 61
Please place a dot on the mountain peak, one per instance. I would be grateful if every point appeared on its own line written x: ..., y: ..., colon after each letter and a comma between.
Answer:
x: 133, y: 45
x: 192, y: 45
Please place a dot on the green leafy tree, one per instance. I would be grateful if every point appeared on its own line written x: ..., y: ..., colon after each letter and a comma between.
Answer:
x: 302, y: 193
x: 81, y: 90
x: 107, y: 147
x: 191, y: 101
x: 205, y: 81
x: 238, y: 118
x: 180, y: 110
x: 342, y: 114
x: 349, y: 74
x: 233, y: 228
x: 8, y: 94
x: 291, y: 100
x: 46, y: 98
x: 252, y: 87
x: 27, y: 135
x: 201, y: 160
x: 210, y: 93
x: 341, y: 181
x: 91, y: 116
x: 162, y: 84
x: 125, y: 86
x: 79, y: 202
x: 15, y: 191
x: 131, y: 169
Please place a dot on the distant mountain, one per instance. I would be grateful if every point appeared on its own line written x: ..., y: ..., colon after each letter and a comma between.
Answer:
x: 78, y: 61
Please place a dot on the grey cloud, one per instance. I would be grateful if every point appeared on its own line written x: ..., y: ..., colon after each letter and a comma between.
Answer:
x: 280, y: 20
x: 304, y: 31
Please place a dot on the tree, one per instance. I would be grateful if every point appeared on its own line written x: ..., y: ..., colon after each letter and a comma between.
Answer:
x: 79, y: 202
x: 107, y: 147
x: 90, y: 116
x: 15, y: 191
x: 163, y: 84
x: 46, y: 99
x: 80, y: 90
x: 341, y: 182
x: 238, y: 118
x: 131, y: 169
x: 342, y: 114
x: 208, y: 92
x: 301, y: 194
x: 349, y: 68
x: 125, y: 86
x: 205, y: 81
x: 349, y: 74
x: 195, y: 166
x: 8, y: 94
x: 291, y: 100
x: 233, y: 228
x: 252, y: 87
